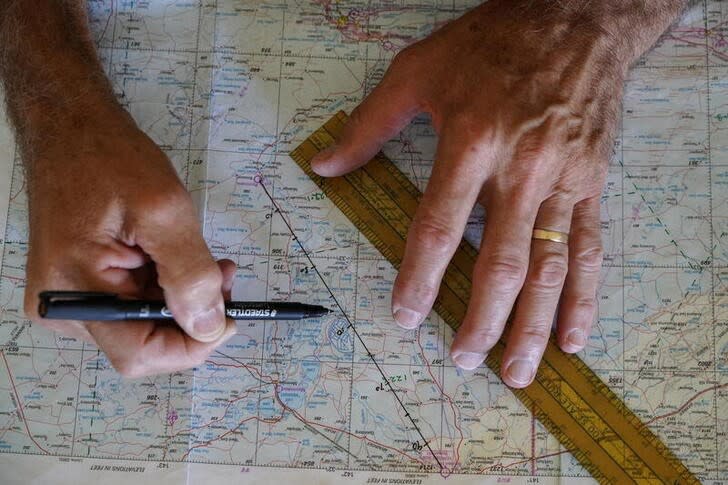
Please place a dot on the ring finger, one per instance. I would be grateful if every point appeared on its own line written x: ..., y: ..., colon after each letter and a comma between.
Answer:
x: 539, y: 297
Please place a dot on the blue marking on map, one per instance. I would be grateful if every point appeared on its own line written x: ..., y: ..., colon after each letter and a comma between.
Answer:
x: 268, y: 408
x: 340, y: 336
x: 292, y: 396
x: 311, y: 370
x: 234, y: 416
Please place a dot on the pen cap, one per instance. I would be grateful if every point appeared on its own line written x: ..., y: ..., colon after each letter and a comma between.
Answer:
x: 80, y: 306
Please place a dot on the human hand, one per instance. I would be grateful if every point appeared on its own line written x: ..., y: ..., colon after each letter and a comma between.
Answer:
x: 525, y: 97
x: 108, y: 213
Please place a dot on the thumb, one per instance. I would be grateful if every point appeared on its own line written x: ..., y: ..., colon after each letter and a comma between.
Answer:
x: 383, y: 114
x: 187, y: 273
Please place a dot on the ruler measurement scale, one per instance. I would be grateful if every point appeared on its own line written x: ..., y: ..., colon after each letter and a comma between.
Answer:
x: 566, y: 396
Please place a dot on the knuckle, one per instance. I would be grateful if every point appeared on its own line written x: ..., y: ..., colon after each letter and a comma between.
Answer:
x: 536, y: 145
x: 485, y: 337
x: 209, y: 275
x: 406, y: 56
x: 356, y: 118
x: 166, y: 205
x: 535, y: 332
x: 549, y: 271
x: 195, y: 296
x: 359, y: 125
x: 533, y: 152
x: 128, y: 368
x: 198, y: 275
x: 507, y: 272
x: 417, y: 293
x: 589, y: 258
x: 519, y: 195
x: 585, y: 306
x: 434, y: 236
x: 592, y: 181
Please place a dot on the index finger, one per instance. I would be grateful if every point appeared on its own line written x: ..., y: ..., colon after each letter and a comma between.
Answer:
x: 382, y: 114
x: 141, y: 348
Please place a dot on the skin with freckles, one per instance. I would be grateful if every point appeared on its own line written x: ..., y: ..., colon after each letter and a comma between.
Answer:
x: 107, y: 210
x: 524, y: 96
x: 128, y: 228
x: 523, y: 93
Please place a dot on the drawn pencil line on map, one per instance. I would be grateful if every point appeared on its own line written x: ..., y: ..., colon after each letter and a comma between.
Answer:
x: 407, y: 414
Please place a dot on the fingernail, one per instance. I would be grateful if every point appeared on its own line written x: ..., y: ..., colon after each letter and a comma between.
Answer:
x: 576, y: 339
x: 468, y: 360
x: 209, y: 325
x: 407, y: 319
x: 520, y: 371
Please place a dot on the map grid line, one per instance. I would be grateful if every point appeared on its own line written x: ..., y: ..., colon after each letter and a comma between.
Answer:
x: 713, y: 322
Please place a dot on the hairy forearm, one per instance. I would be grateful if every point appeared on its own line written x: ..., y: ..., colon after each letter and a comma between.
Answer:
x: 639, y: 23
x: 52, y: 77
x: 628, y: 27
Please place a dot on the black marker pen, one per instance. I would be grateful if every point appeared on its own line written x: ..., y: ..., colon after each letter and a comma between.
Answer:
x: 96, y: 306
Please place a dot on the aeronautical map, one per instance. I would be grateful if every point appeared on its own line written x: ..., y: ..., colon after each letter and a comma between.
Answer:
x: 227, y: 89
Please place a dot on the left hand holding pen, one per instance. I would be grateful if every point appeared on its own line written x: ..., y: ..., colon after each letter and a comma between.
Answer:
x: 525, y: 96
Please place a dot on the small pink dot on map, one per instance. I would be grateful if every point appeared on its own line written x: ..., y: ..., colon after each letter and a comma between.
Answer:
x: 172, y: 416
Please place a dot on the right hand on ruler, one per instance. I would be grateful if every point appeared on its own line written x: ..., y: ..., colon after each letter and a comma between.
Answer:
x: 108, y: 213
x: 525, y: 96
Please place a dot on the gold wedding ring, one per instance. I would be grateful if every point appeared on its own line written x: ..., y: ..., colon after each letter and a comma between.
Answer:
x: 555, y: 236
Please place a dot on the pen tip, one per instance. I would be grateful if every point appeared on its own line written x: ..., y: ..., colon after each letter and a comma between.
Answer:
x: 325, y: 311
